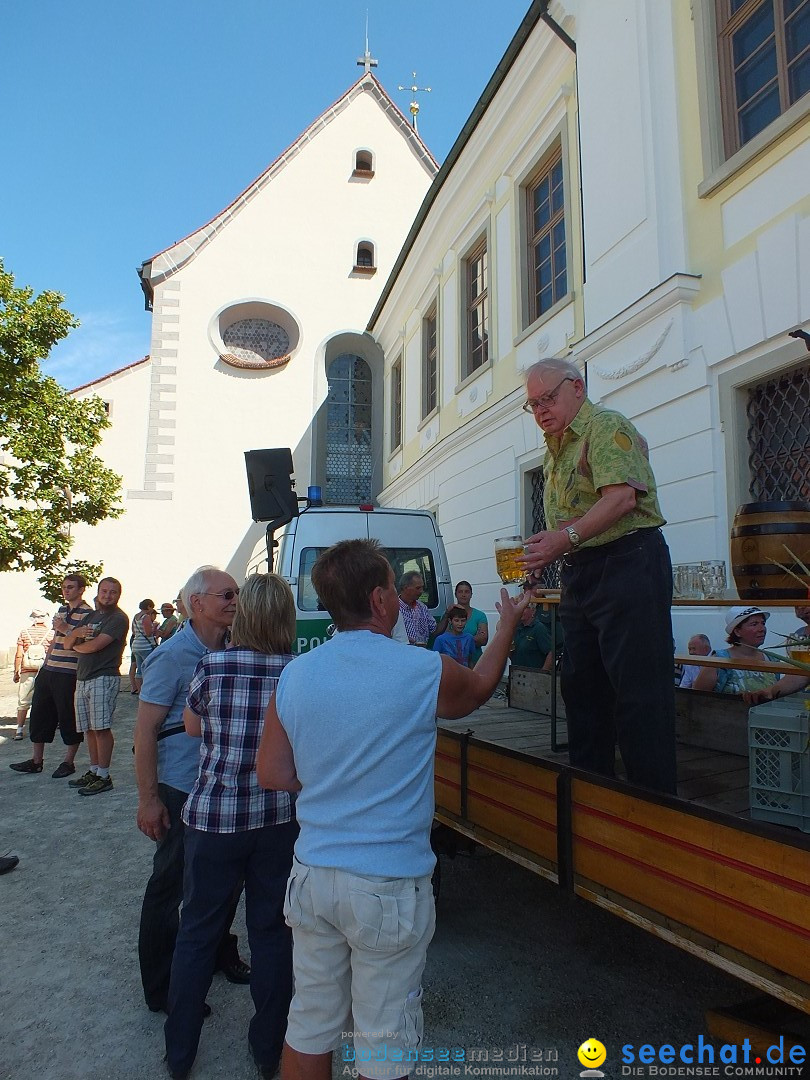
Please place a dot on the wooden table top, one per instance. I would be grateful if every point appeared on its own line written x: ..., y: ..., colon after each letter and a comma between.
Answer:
x: 741, y: 665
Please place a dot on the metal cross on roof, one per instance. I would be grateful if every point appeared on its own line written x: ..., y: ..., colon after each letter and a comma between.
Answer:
x: 366, y: 61
x: 414, y: 106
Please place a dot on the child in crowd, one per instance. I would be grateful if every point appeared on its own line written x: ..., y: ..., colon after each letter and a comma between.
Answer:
x: 455, y: 641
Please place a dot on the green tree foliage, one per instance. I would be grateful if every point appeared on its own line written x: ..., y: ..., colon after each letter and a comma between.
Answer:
x: 50, y: 479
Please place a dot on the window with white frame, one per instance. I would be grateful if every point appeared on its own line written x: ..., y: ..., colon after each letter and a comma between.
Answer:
x: 364, y: 259
x: 396, y: 403
x: 363, y: 164
x: 764, y: 61
x: 430, y: 372
x: 476, y: 308
x: 546, y: 252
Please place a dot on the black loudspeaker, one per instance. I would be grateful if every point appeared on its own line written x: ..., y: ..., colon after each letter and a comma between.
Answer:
x: 272, y: 495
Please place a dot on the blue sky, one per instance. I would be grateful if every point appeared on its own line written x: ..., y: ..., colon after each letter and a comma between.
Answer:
x: 111, y: 106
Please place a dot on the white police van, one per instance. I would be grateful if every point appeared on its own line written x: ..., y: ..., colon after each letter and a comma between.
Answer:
x: 410, y: 538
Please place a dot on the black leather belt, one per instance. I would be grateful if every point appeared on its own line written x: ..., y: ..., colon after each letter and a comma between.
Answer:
x: 615, y: 547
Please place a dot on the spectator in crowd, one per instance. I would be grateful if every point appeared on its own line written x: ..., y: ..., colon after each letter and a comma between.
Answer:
x: 789, y: 684
x: 53, y: 705
x: 180, y: 607
x: 455, y: 641
x: 32, y: 648
x: 143, y: 642
x: 604, y: 522
x: 698, y: 645
x: 99, y: 643
x: 531, y: 644
x: 476, y: 624
x: 352, y: 728
x: 745, y: 632
x: 169, y: 624
x: 235, y: 831
x: 420, y: 625
x: 166, y: 765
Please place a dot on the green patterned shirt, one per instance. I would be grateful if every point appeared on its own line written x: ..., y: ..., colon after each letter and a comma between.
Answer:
x: 598, y: 448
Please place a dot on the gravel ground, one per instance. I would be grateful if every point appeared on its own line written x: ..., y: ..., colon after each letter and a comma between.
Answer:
x: 514, y: 962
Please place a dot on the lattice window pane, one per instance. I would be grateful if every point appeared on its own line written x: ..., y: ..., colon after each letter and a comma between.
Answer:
x: 779, y: 437
x: 348, y: 432
x: 256, y: 339
x: 551, y: 575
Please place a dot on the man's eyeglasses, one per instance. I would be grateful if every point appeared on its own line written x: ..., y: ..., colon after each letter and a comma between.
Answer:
x: 547, y: 400
x: 226, y: 594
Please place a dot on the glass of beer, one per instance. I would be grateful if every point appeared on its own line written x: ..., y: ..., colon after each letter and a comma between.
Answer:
x: 799, y: 649
x: 508, y: 550
x: 713, y: 579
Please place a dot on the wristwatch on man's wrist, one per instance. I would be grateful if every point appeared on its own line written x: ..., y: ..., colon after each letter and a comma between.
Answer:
x: 573, y: 536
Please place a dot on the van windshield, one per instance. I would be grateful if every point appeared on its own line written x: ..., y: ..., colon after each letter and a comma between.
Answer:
x: 402, y: 561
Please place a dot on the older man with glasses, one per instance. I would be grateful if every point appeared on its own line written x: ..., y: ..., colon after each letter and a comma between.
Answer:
x: 166, y: 765
x: 604, y: 522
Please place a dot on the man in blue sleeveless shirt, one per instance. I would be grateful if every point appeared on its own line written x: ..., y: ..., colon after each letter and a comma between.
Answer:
x: 352, y: 729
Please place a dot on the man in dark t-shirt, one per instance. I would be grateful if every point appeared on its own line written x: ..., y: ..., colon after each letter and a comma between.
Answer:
x: 99, y: 644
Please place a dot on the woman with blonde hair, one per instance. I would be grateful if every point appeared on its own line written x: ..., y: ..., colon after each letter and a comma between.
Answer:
x: 236, y: 830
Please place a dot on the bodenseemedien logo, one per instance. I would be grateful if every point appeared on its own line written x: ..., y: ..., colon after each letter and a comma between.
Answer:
x: 591, y: 1054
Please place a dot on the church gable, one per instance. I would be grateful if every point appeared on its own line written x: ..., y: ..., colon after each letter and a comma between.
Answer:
x: 168, y: 262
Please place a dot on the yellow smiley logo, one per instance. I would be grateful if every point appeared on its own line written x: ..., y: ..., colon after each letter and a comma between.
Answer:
x: 592, y: 1054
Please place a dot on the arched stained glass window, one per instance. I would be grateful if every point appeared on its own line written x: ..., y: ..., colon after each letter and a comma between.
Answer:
x: 348, y: 432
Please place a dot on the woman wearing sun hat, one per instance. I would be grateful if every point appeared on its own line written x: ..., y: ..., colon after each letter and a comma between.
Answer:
x: 745, y: 632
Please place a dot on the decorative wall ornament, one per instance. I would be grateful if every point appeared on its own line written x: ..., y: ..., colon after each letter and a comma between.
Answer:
x: 637, y: 364
x: 543, y: 343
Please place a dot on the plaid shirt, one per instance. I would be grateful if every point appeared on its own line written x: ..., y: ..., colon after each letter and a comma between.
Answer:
x: 230, y: 691
x: 419, y: 623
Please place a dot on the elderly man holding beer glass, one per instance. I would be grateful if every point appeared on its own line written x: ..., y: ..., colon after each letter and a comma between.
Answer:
x: 605, y: 523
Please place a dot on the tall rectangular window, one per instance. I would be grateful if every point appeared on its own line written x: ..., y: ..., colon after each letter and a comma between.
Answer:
x: 476, y: 309
x: 429, y: 363
x: 764, y: 54
x: 547, y: 259
x: 396, y: 403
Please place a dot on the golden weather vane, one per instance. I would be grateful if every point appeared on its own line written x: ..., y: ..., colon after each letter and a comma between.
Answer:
x: 414, y: 106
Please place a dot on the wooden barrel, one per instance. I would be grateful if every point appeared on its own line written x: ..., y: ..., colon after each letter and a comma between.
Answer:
x: 760, y: 533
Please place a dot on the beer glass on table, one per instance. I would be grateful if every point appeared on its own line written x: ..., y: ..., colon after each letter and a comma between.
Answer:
x: 508, y: 550
x: 713, y: 579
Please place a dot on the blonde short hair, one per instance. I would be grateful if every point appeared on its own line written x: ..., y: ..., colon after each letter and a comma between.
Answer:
x: 265, y: 615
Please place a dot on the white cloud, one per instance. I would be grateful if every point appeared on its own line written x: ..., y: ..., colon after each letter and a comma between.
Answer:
x: 104, y: 342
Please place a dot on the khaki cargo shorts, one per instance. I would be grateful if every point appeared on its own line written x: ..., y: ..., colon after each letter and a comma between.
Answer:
x: 359, y: 947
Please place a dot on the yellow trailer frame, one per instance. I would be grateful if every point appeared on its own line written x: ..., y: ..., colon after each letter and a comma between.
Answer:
x: 734, y: 892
